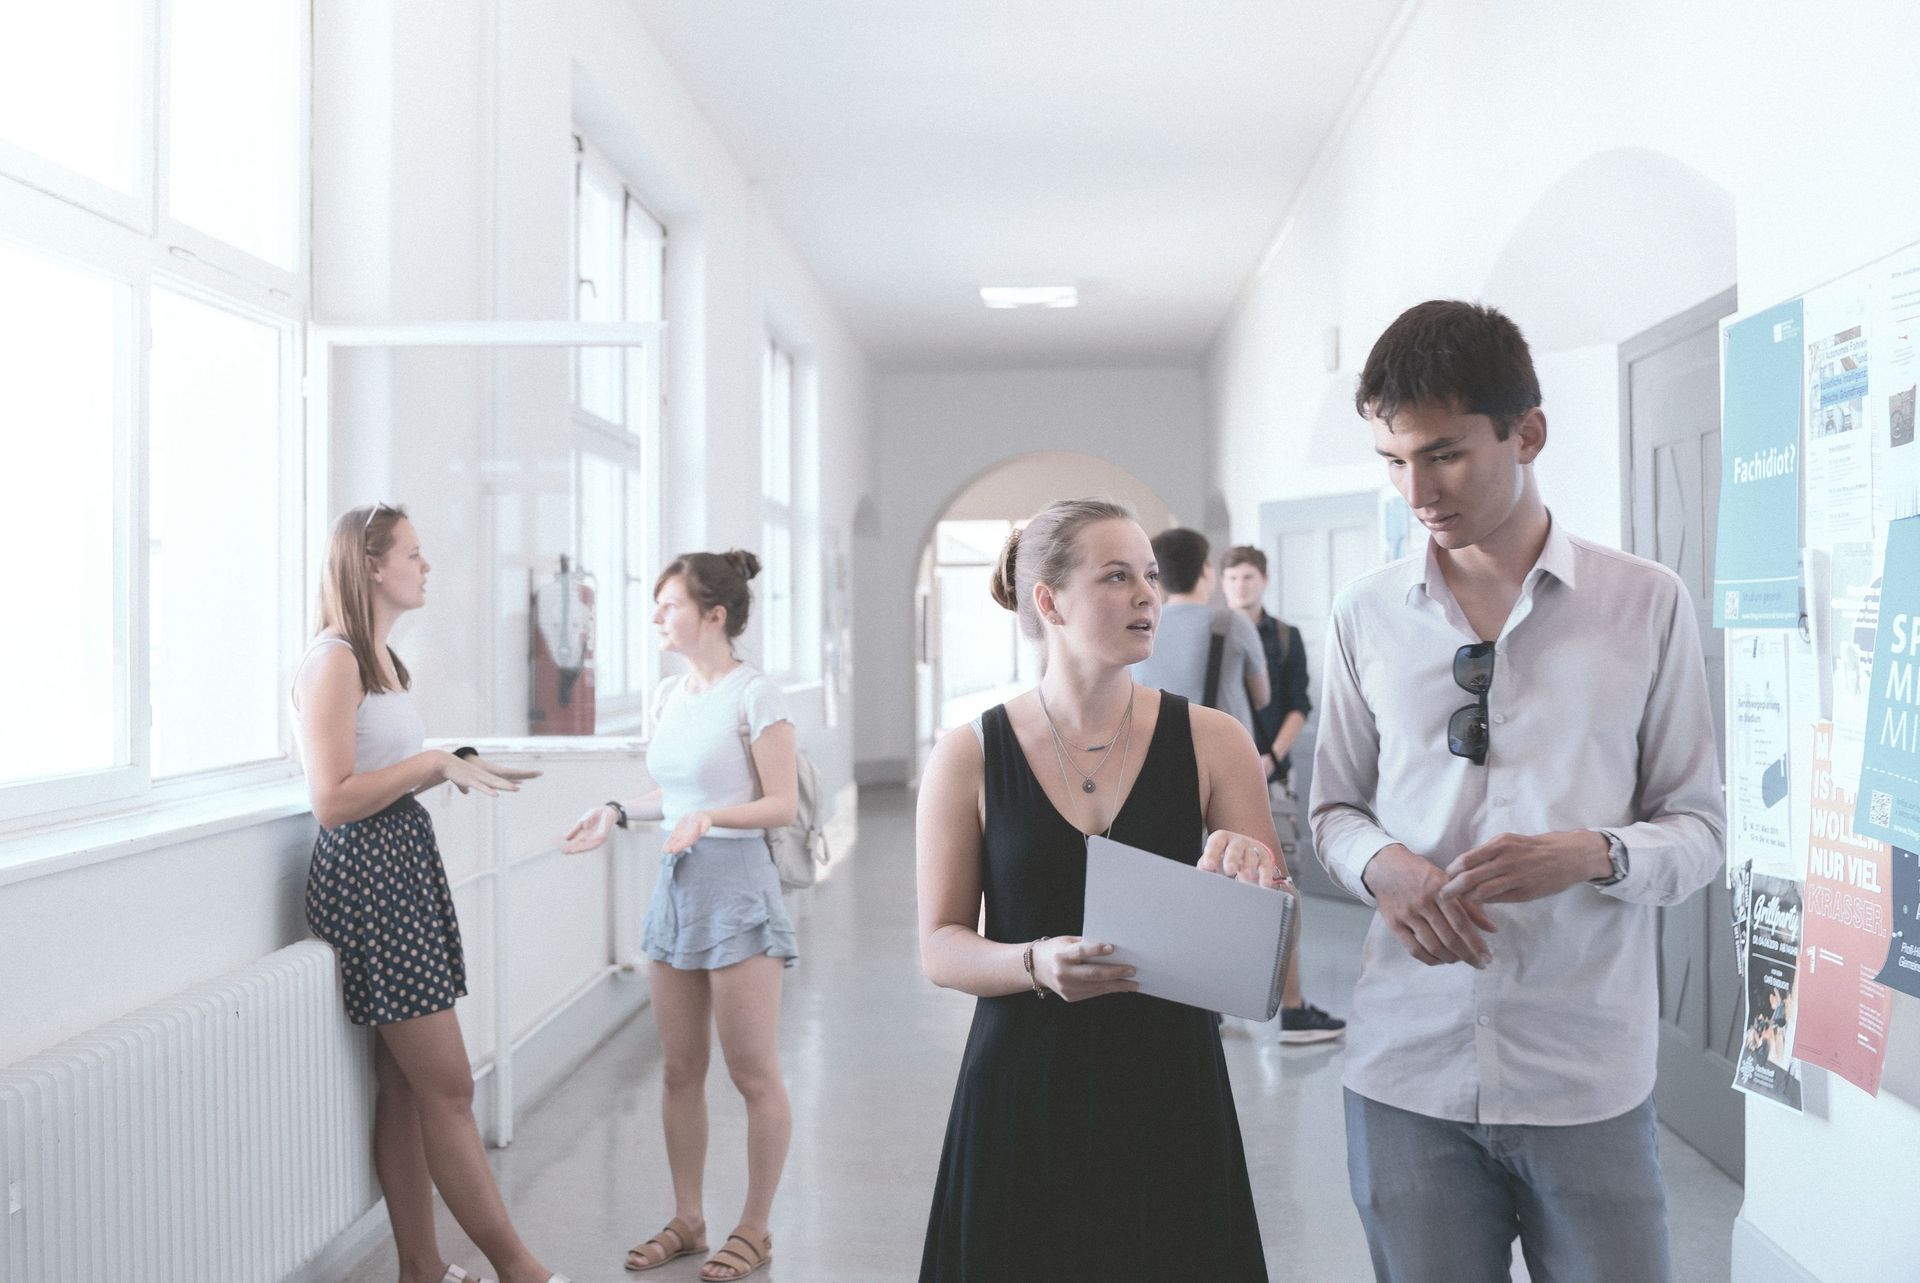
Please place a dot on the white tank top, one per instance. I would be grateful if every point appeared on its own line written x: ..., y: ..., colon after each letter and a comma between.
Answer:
x: 386, y: 727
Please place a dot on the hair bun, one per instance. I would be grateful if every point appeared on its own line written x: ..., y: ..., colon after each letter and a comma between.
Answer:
x: 1003, y: 586
x: 743, y: 561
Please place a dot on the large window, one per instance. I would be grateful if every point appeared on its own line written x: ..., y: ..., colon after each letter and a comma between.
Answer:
x: 152, y: 294
x: 789, y: 597
x: 619, y: 266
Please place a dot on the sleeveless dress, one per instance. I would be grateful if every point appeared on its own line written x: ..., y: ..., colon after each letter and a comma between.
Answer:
x: 377, y: 888
x: 1094, y: 1140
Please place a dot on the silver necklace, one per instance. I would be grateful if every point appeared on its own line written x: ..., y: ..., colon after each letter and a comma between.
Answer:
x: 1105, y: 750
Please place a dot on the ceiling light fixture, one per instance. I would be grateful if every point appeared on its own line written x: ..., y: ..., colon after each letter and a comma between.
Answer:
x: 1011, y: 296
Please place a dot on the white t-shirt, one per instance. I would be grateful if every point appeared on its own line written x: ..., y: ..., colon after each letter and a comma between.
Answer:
x: 696, y: 754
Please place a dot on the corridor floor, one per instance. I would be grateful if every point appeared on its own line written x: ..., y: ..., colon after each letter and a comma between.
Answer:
x: 871, y: 1051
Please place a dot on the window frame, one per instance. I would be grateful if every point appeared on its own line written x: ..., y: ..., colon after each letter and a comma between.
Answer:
x: 632, y: 445
x: 49, y: 211
x: 797, y: 512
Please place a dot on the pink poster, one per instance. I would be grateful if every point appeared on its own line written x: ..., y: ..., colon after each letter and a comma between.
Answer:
x: 1842, y: 1023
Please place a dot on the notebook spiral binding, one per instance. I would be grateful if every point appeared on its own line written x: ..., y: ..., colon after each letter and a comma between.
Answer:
x: 1278, y: 988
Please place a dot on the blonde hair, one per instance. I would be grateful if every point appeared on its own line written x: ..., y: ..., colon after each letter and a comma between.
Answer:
x: 1046, y: 552
x: 361, y: 537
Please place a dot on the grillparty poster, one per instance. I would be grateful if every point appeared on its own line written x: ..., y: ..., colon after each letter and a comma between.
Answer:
x: 1844, y: 1010
x: 1766, y: 1067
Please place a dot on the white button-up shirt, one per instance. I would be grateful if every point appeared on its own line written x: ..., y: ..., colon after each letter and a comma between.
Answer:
x: 1599, y: 719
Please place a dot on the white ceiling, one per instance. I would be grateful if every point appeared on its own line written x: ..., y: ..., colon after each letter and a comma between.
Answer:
x: 1144, y: 150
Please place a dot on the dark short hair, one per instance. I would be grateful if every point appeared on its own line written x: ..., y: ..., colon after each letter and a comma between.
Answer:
x: 716, y: 579
x: 1448, y: 353
x: 1182, y: 554
x: 1244, y: 555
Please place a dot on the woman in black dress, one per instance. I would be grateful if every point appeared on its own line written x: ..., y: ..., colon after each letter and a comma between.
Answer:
x: 1093, y: 1134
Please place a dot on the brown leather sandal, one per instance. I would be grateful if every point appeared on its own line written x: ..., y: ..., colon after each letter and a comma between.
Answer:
x: 741, y: 1263
x: 683, y: 1244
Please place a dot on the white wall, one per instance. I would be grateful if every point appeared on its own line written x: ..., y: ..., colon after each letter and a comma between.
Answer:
x: 443, y: 175
x: 1598, y: 169
x: 935, y: 432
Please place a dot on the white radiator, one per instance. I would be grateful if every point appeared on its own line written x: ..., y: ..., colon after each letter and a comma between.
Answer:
x: 221, y: 1136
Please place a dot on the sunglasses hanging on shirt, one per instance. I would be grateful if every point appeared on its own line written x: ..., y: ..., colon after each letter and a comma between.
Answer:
x: 1467, y: 732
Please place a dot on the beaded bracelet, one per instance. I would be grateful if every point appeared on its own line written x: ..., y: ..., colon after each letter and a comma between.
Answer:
x: 1039, y: 990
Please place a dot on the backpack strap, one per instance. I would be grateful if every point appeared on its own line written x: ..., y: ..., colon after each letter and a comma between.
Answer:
x: 1216, y: 652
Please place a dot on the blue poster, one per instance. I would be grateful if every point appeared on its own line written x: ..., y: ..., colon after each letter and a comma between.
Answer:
x: 1889, y: 804
x: 1902, y: 968
x: 1756, y: 573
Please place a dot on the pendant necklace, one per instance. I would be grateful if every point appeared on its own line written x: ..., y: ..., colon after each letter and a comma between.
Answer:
x: 1125, y: 728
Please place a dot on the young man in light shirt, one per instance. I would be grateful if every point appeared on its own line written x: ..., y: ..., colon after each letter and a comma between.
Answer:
x: 1516, y: 766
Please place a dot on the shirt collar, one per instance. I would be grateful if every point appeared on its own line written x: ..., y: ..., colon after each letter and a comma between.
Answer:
x: 1557, y: 558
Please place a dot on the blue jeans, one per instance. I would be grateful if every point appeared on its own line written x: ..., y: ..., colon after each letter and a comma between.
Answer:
x: 1442, y: 1201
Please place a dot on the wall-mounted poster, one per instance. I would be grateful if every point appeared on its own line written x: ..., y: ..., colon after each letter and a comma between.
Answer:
x: 1889, y: 805
x: 1844, y: 1009
x: 1839, y: 460
x: 1895, y: 361
x: 1766, y: 1067
x: 1757, y: 565
x: 1759, y: 830
x: 1902, y: 968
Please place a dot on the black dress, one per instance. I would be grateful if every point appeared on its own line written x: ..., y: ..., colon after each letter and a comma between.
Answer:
x: 1094, y: 1140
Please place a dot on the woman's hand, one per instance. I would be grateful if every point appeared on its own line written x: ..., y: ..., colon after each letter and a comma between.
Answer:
x: 689, y: 830
x: 589, y: 831
x: 470, y: 773
x: 514, y: 773
x: 1067, y: 965
x: 1239, y: 856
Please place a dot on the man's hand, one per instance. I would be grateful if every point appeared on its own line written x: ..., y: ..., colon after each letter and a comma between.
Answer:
x: 1436, y: 927
x: 1512, y: 867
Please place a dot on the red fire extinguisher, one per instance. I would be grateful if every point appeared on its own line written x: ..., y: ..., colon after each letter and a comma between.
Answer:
x: 561, y: 654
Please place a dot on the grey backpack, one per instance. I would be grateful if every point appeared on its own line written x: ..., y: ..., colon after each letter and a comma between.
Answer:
x: 799, y: 850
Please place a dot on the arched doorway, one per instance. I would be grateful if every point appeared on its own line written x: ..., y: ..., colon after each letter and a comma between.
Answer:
x: 968, y: 654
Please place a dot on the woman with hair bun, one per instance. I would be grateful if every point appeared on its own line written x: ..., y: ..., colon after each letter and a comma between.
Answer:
x: 723, y: 754
x: 1093, y: 1133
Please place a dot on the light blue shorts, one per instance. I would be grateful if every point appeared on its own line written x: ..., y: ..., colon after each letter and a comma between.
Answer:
x: 718, y: 903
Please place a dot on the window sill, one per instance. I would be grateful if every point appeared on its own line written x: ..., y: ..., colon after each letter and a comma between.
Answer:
x: 57, y: 848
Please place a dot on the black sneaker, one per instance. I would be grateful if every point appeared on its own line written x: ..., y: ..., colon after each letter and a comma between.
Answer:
x: 1307, y: 1023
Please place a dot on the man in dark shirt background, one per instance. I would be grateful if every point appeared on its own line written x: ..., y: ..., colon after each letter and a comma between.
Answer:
x: 1243, y: 575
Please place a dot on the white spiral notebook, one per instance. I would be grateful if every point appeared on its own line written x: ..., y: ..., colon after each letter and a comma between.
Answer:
x: 1193, y: 937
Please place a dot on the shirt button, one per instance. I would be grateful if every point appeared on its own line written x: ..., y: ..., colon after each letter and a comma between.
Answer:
x: 1485, y: 1021
x: 1499, y: 719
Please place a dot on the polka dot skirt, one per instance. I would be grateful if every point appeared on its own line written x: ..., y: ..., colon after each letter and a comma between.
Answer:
x: 378, y: 893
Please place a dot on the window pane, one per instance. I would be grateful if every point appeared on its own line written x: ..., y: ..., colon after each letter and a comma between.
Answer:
x: 233, y: 155
x: 214, y: 558
x: 776, y: 429
x: 61, y: 357
x: 70, y: 82
x: 777, y: 598
x: 601, y: 542
x: 639, y: 583
x: 598, y: 233
x: 646, y: 264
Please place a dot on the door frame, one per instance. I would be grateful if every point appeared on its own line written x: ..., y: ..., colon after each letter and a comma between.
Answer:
x: 1693, y: 1094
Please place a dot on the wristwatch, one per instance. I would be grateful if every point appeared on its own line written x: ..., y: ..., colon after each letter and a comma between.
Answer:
x: 1616, y: 859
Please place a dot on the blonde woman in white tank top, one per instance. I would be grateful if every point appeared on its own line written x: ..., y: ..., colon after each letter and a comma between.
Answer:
x: 378, y: 894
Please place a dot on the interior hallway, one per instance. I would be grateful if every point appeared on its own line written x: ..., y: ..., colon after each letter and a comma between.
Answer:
x: 871, y: 1051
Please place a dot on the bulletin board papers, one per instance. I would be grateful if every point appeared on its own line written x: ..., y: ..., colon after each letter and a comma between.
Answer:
x: 1765, y: 1068
x: 1843, y: 1011
x: 1889, y: 805
x: 1759, y: 813
x: 1757, y: 562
